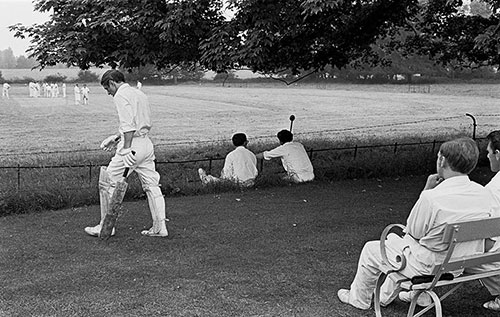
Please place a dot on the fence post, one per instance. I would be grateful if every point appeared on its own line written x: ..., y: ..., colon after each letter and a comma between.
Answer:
x: 355, y: 151
x: 210, y: 166
x: 261, y: 165
x: 311, y: 154
x: 474, y: 125
x: 395, y: 147
x: 433, y: 146
x: 18, y: 177
x: 90, y: 174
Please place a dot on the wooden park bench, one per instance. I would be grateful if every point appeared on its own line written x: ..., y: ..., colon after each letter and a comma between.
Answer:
x: 454, y: 233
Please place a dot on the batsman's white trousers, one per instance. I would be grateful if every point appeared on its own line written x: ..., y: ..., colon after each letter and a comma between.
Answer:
x: 370, y: 262
x: 145, y: 165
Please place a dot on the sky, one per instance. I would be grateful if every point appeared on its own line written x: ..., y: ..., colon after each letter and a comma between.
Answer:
x: 17, y: 11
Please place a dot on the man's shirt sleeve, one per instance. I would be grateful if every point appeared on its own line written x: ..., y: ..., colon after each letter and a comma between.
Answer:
x: 277, y: 152
x: 421, y: 217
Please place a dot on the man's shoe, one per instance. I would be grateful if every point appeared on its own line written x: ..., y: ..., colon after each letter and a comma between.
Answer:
x: 493, y: 304
x: 94, y: 231
x: 151, y: 233
x: 343, y: 295
x: 423, y: 300
x: 202, y: 174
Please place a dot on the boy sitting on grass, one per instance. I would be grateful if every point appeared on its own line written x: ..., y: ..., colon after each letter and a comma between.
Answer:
x: 240, y: 165
x: 293, y: 156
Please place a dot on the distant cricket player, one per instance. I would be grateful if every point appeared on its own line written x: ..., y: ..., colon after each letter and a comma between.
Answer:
x: 134, y: 150
x: 85, y: 94
x: 5, y: 90
x: 78, y: 95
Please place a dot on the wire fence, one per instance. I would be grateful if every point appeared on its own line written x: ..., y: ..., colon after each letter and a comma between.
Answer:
x: 88, y: 173
x: 19, y: 175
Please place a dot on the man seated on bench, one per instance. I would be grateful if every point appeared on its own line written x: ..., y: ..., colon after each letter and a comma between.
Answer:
x: 492, y: 283
x: 448, y: 196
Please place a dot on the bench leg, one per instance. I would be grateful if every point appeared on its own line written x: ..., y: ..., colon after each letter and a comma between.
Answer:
x: 436, y: 302
x: 376, y: 295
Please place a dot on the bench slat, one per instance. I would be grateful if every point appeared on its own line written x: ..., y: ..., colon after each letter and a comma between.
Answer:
x: 461, y: 279
x: 471, y: 261
x: 473, y: 230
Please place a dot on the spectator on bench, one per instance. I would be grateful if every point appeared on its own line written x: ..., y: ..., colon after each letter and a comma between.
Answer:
x: 448, y: 196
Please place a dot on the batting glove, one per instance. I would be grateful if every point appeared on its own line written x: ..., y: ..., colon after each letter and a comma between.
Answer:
x: 128, y: 157
x: 110, y: 142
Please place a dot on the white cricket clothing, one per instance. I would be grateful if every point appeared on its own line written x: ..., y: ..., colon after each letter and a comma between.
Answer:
x: 492, y: 283
x: 85, y: 91
x: 78, y: 96
x: 455, y: 199
x: 240, y: 165
x: 133, y: 110
x: 5, y: 90
x: 295, y: 161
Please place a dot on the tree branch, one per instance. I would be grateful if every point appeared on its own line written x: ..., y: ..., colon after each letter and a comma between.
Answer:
x: 295, y: 80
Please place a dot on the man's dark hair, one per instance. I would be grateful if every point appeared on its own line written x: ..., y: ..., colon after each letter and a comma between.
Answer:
x: 461, y: 154
x: 113, y: 75
x: 494, y: 139
x: 285, y: 136
x: 239, y: 139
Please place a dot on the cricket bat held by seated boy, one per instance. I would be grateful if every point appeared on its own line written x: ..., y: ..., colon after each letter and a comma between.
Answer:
x: 114, y: 207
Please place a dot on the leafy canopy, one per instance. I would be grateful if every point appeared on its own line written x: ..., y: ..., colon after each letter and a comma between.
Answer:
x: 263, y: 35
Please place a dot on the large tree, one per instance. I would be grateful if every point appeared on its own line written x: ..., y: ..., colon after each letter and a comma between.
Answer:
x: 263, y: 35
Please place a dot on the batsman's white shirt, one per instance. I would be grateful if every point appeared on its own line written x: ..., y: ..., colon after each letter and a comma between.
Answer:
x: 295, y: 160
x: 240, y: 165
x: 133, y: 110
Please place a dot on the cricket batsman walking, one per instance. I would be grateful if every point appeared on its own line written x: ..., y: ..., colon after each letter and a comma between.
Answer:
x: 134, y: 150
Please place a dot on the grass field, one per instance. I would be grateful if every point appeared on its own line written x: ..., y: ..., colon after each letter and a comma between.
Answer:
x: 186, y: 114
x: 268, y: 251
x: 275, y: 252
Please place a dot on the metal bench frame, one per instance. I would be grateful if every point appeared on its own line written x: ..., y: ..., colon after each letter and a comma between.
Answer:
x: 454, y: 233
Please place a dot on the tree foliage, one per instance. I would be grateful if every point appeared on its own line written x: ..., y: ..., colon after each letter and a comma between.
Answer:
x: 7, y: 59
x: 455, y: 34
x: 263, y: 35
x: 87, y: 76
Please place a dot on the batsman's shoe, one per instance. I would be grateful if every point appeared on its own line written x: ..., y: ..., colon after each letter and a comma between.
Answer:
x: 94, y: 231
x: 423, y: 300
x: 151, y: 233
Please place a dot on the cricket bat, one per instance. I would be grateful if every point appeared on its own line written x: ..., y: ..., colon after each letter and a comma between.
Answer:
x: 114, y: 207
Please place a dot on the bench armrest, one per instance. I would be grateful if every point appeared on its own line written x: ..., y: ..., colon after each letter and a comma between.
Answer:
x: 400, y: 258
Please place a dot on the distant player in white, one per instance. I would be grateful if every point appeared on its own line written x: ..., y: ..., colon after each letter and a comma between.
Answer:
x: 64, y: 90
x: 31, y: 88
x: 85, y: 94
x: 78, y: 96
x: 134, y: 150
x: 5, y: 90
x: 240, y: 165
x: 139, y: 85
x: 293, y: 156
x: 36, y: 89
